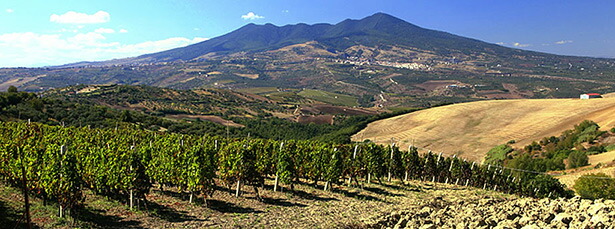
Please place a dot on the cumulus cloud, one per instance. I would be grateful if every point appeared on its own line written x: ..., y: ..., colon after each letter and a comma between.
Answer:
x: 10, y: 10
x: 563, y: 42
x: 517, y: 44
x: 104, y: 30
x: 123, y: 31
x: 251, y: 16
x: 35, y: 50
x: 72, y: 17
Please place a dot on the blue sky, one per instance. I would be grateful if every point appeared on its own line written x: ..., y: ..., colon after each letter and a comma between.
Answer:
x: 51, y: 32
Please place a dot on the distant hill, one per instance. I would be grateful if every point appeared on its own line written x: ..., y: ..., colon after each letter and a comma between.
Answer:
x: 379, y: 61
x: 474, y: 128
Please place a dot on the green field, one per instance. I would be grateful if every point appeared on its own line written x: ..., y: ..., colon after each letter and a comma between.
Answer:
x: 258, y: 90
x: 330, y: 97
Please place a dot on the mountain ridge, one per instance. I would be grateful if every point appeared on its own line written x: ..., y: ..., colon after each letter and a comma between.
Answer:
x: 377, y: 29
x: 252, y: 37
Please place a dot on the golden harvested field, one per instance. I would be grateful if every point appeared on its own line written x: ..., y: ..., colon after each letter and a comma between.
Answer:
x: 570, y: 178
x: 606, y: 159
x: 474, y: 128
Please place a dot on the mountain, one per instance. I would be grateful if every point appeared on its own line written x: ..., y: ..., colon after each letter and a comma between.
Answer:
x: 378, y: 61
x: 378, y: 29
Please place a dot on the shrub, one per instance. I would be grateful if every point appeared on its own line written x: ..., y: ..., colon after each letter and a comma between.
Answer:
x: 577, y: 159
x: 533, y: 147
x: 595, y: 186
x: 596, y: 149
x: 497, y: 155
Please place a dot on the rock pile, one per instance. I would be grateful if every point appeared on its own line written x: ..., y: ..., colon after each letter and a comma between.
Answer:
x: 505, y: 213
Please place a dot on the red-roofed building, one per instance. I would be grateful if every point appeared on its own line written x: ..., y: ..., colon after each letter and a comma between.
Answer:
x: 591, y: 96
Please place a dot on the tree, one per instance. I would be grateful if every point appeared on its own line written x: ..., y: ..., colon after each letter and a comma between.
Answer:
x: 577, y: 159
x: 595, y: 186
x: 533, y: 147
x: 12, y: 89
x: 497, y: 155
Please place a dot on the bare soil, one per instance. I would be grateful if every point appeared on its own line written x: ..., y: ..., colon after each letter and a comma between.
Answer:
x: 305, y: 207
x: 316, y: 119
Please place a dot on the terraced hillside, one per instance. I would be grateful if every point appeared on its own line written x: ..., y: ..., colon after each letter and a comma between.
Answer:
x: 471, y: 129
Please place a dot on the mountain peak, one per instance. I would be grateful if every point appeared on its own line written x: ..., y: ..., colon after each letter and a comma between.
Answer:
x: 377, y: 29
x: 382, y: 16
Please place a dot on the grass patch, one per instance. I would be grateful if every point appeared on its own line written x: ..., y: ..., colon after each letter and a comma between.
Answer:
x: 285, y: 97
x: 329, y: 97
x: 258, y: 90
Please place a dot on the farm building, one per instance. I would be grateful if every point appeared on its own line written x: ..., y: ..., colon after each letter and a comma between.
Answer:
x: 590, y: 96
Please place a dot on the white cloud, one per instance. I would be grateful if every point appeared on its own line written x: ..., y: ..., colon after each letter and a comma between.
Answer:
x: 517, y: 44
x: 123, y: 31
x: 72, y: 17
x: 500, y: 43
x: 563, y: 42
x: 285, y: 11
x: 35, y: 50
x: 65, y: 30
x: 10, y: 10
x: 104, y: 30
x: 251, y: 16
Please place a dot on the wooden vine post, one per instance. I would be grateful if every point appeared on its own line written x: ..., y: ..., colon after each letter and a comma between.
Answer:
x: 238, y: 188
x: 354, y: 156
x: 277, y: 172
x: 61, y: 211
x: 406, y: 172
x: 391, y: 162
x: 25, y: 194
x: 131, y: 192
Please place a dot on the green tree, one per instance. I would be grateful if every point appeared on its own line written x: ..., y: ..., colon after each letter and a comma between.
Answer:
x: 577, y: 159
x: 497, y: 155
x: 595, y: 186
x: 12, y: 89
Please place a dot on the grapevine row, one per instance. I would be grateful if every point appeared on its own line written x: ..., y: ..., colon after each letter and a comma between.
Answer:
x: 61, y: 162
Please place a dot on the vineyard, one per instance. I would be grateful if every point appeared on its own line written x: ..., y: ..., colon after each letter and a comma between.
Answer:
x: 59, y: 163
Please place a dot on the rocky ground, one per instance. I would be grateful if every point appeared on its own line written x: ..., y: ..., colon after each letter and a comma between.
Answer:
x: 388, y: 205
x: 443, y: 212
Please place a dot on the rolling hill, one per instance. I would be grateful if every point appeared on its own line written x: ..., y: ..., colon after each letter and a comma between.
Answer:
x: 471, y: 129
